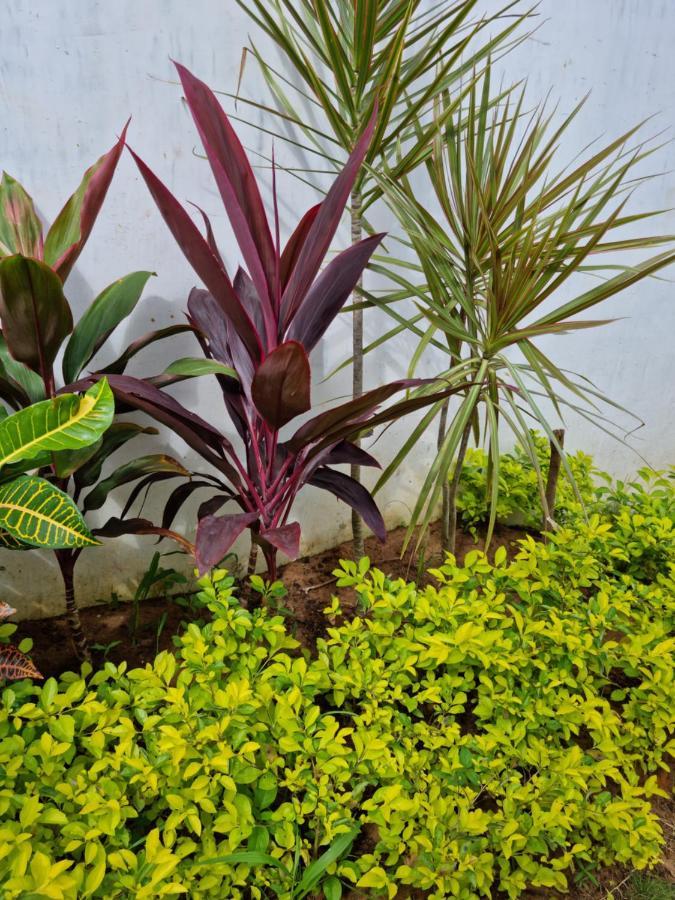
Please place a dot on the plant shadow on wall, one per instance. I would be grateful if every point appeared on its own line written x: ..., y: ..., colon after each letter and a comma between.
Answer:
x: 37, y: 324
x: 261, y: 326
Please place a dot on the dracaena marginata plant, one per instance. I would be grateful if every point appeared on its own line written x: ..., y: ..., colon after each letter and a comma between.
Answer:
x: 344, y: 57
x: 499, y: 260
x: 36, y: 324
x: 34, y: 512
x: 263, y: 325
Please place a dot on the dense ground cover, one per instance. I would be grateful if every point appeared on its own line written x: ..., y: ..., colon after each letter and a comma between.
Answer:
x: 501, y: 728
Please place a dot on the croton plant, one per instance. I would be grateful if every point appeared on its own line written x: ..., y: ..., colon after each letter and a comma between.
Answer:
x: 262, y: 325
x: 36, y: 326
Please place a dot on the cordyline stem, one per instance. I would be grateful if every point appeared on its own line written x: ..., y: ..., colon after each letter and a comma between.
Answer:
x: 552, y: 479
x: 252, y: 559
x: 454, y: 488
x: 67, y: 560
x: 357, y: 365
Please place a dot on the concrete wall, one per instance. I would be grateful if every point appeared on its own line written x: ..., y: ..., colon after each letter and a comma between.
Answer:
x: 71, y: 72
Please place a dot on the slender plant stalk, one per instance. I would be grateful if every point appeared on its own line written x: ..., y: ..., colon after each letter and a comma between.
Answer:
x: 67, y: 560
x: 552, y: 479
x: 454, y: 488
x: 445, y: 509
x: 357, y: 368
x: 252, y: 559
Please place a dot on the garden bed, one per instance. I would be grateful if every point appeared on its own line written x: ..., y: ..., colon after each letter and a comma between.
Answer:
x: 309, y: 581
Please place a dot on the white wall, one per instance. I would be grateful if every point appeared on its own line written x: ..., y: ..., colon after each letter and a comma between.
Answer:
x: 71, y: 72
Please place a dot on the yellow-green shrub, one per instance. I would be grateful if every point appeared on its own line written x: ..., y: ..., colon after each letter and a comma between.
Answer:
x: 519, y: 496
x: 501, y: 729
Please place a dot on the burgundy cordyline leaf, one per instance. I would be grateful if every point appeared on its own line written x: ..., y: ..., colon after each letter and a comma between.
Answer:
x: 210, y: 237
x: 200, y: 256
x: 207, y: 316
x: 250, y: 300
x: 178, y: 497
x: 329, y: 293
x: 345, y: 452
x: 147, y: 482
x: 331, y: 421
x: 95, y: 184
x: 118, y: 365
x: 198, y: 434
x: 215, y: 536
x: 115, y: 527
x: 286, y: 538
x: 15, y: 665
x: 323, y: 228
x: 289, y: 257
x: 142, y: 390
x: 347, y: 489
x: 281, y: 386
x: 236, y: 182
x: 211, y: 506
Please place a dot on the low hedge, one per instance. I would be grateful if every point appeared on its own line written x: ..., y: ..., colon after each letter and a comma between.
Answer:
x: 500, y: 729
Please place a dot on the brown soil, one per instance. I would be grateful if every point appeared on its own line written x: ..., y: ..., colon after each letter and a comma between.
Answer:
x: 310, y: 585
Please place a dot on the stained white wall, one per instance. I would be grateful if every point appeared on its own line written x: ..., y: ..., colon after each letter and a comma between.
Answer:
x: 71, y: 72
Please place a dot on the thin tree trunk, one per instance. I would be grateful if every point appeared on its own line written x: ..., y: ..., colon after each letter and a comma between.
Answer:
x: 252, y: 559
x: 454, y: 488
x: 357, y: 366
x: 552, y: 479
x: 445, y: 510
x: 67, y: 562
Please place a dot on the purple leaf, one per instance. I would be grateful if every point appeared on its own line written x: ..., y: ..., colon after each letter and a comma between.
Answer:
x: 206, y: 314
x: 200, y: 256
x: 330, y: 291
x: 250, y: 300
x: 347, y: 489
x: 346, y: 452
x: 115, y: 527
x: 322, y: 229
x: 215, y: 536
x: 286, y: 538
x: 236, y: 182
x: 151, y: 337
x: 211, y: 506
x: 178, y: 497
x: 281, y: 386
x: 210, y: 237
x: 323, y: 426
x: 289, y: 256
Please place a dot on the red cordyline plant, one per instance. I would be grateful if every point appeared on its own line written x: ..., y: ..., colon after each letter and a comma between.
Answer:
x: 263, y: 324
